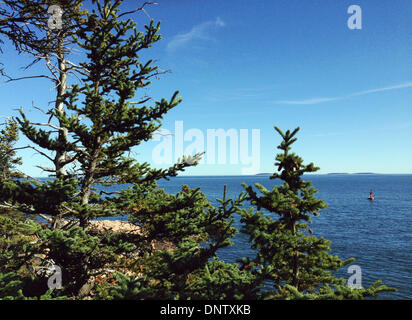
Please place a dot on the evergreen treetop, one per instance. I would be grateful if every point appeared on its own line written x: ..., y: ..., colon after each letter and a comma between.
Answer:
x: 294, y: 262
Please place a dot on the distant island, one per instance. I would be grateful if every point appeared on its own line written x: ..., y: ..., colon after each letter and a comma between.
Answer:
x: 338, y: 173
x: 330, y: 173
x: 351, y: 173
x: 364, y: 173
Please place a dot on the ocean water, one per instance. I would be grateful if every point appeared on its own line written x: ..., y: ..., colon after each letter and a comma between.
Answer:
x: 376, y: 233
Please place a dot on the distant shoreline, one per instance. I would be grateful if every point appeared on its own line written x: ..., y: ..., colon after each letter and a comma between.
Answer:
x: 270, y: 174
x: 358, y: 173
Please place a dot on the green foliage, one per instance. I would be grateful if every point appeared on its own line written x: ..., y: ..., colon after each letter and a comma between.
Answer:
x: 219, y: 280
x: 14, y: 253
x: 295, y: 263
x: 19, y: 253
x: 77, y: 253
x: 196, y: 231
x: 8, y: 159
x: 10, y: 287
x: 216, y: 280
x: 339, y: 291
x: 127, y: 288
x: 49, y: 197
x: 16, y: 236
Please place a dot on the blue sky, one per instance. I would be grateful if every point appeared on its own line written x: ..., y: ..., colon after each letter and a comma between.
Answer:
x: 256, y: 64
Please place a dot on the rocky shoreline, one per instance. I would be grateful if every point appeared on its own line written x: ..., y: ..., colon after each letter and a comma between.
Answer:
x: 127, y: 228
x: 115, y: 226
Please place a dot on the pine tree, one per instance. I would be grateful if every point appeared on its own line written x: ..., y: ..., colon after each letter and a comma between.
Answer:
x: 8, y: 155
x: 294, y: 262
x: 46, y: 36
x: 102, y: 127
x: 106, y: 125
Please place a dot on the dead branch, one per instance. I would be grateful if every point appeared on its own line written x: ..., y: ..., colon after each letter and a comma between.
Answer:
x: 35, y: 149
x: 140, y: 9
x: 28, y: 77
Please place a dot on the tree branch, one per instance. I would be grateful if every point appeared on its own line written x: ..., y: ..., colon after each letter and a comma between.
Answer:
x: 139, y: 9
x: 35, y: 149
x: 28, y: 77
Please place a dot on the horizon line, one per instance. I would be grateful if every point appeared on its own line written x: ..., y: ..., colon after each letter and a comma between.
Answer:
x: 269, y: 174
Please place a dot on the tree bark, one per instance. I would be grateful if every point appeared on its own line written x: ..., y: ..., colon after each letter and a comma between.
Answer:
x: 60, y: 157
x: 88, y: 182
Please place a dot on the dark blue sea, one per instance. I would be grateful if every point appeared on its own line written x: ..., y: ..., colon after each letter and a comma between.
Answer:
x: 376, y: 233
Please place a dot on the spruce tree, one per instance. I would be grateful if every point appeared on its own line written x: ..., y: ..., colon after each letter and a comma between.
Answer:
x: 290, y: 262
x: 101, y: 122
x: 102, y: 126
x: 8, y: 154
x: 45, y: 35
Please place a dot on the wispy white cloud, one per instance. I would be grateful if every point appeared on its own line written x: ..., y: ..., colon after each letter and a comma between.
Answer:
x: 197, y: 32
x: 307, y: 101
x: 360, y: 93
x: 399, y: 86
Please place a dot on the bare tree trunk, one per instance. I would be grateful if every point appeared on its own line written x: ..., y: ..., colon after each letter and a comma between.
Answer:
x: 87, y: 185
x: 60, y: 157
